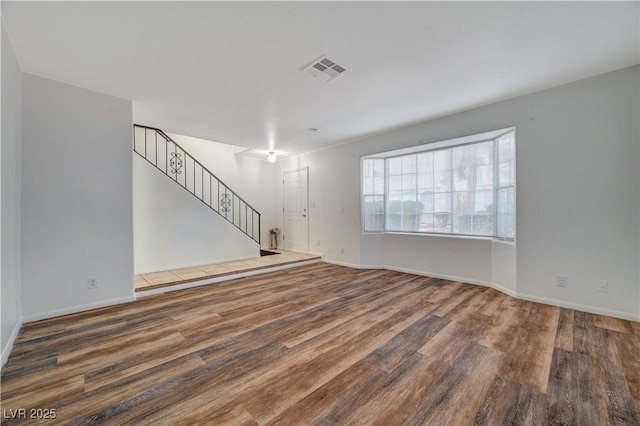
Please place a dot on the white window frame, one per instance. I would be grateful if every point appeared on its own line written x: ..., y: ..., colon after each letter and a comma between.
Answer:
x: 437, y: 146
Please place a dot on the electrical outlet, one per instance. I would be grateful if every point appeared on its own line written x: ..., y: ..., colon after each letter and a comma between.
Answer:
x: 318, y: 243
x: 92, y: 282
x: 562, y: 281
x: 603, y: 286
x: 329, y: 250
x: 341, y: 250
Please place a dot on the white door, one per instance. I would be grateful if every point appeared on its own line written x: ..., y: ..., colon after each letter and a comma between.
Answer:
x: 296, y: 210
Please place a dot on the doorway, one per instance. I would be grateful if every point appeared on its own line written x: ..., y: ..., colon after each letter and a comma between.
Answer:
x: 295, y: 234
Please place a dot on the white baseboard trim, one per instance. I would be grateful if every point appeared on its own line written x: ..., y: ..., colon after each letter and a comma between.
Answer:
x: 579, y: 307
x: 6, y: 351
x: 76, y: 309
x: 441, y: 276
x: 505, y: 290
x: 502, y: 289
x: 145, y: 293
x: 347, y: 264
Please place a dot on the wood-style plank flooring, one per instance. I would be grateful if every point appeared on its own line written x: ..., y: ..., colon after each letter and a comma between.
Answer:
x: 325, y: 344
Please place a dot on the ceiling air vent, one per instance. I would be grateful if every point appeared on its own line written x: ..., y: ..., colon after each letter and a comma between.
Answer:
x: 324, y: 69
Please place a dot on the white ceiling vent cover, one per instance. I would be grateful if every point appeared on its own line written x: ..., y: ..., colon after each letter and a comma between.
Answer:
x: 324, y: 68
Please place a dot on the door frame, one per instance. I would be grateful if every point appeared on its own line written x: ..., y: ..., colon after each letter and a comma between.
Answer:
x: 284, y: 192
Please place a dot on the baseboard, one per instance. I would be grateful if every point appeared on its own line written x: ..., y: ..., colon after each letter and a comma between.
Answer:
x: 579, y: 307
x: 6, y: 351
x: 505, y: 290
x: 160, y: 290
x: 502, y: 289
x: 425, y: 274
x: 441, y: 276
x: 347, y: 264
x: 76, y: 309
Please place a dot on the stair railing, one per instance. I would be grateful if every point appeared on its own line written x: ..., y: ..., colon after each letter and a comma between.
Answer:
x: 166, y: 155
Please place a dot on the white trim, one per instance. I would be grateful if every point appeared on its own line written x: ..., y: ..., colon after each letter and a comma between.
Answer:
x: 76, y: 309
x: 442, y: 276
x: 6, y: 351
x: 505, y: 290
x: 502, y: 289
x: 160, y: 290
x: 351, y: 265
x: 284, y: 218
x: 443, y: 144
x: 579, y: 307
x: 417, y: 272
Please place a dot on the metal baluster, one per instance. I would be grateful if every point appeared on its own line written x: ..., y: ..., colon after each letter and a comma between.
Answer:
x: 226, y: 199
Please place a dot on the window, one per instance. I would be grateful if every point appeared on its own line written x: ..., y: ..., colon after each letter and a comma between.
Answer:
x: 461, y: 187
x: 373, y: 191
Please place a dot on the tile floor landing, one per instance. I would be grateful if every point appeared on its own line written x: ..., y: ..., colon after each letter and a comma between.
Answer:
x: 154, y: 280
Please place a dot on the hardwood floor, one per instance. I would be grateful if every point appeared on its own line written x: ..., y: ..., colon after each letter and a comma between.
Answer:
x: 325, y: 344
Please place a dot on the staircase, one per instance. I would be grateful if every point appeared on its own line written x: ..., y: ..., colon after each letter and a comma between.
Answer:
x: 171, y: 159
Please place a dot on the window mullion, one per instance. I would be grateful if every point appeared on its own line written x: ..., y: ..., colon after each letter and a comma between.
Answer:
x: 415, y: 185
x: 386, y: 193
x: 496, y: 175
x: 451, y: 189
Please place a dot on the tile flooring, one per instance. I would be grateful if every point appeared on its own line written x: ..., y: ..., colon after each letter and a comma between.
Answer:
x: 159, y: 279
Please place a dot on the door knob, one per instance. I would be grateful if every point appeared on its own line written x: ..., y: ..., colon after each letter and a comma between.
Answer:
x: 304, y: 215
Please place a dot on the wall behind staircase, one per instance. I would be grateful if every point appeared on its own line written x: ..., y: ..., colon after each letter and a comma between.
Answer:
x: 173, y: 229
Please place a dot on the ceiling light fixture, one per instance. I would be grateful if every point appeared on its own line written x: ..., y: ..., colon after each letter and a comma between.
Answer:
x: 271, y: 158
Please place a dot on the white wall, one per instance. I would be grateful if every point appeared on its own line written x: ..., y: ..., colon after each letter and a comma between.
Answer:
x: 251, y: 178
x: 10, y: 152
x: 578, y: 203
x: 173, y: 229
x: 578, y: 198
x: 334, y: 211
x: 76, y: 198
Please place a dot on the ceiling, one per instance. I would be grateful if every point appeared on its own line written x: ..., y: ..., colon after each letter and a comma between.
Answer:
x: 231, y: 71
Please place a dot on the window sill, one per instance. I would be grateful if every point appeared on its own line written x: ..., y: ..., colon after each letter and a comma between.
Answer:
x: 436, y: 235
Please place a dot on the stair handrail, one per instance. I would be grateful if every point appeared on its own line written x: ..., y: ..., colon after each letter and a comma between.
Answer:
x: 169, y: 139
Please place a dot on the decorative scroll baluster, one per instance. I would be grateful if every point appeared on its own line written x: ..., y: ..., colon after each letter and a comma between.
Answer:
x: 176, y: 162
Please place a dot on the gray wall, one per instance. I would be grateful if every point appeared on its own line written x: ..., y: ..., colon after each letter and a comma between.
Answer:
x: 10, y: 152
x: 76, y: 198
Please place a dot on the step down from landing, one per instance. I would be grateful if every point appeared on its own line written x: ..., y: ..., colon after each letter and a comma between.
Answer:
x: 151, y: 283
